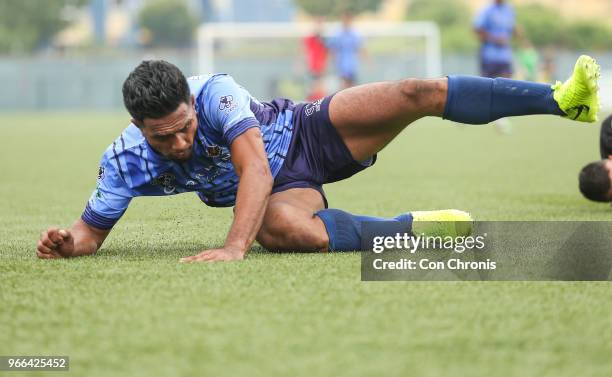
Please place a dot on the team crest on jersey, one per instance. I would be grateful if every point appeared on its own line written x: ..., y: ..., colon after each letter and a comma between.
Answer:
x: 227, y: 103
x: 101, y: 173
x: 213, y: 151
x: 166, y: 180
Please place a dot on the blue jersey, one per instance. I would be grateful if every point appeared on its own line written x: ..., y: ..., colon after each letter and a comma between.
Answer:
x: 346, y: 45
x: 498, y: 21
x: 131, y: 168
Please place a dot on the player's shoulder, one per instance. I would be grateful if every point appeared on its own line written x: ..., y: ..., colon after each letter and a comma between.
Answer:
x: 130, y: 138
x: 126, y: 151
x: 206, y: 88
x: 487, y: 10
x: 220, y: 81
x: 203, y: 83
x: 221, y: 94
x: 197, y: 83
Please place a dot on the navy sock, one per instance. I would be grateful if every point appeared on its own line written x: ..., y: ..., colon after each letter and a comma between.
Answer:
x: 344, y: 229
x: 479, y: 100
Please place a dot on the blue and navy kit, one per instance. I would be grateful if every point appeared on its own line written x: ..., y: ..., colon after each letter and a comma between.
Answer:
x: 498, y: 20
x: 346, y: 44
x: 131, y: 168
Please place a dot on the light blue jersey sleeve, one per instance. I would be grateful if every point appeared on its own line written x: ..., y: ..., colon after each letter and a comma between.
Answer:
x: 111, y: 197
x: 480, y: 21
x: 228, y: 107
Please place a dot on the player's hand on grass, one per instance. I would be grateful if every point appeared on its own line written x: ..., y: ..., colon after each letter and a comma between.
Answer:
x: 217, y: 255
x: 55, y: 243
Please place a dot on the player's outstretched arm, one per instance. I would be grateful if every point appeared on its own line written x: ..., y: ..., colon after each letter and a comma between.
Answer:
x: 249, y: 159
x: 80, y: 239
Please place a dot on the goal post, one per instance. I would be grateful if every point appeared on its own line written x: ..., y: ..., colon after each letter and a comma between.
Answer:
x: 237, y: 48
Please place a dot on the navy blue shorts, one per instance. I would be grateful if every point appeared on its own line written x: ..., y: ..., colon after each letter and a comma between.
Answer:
x: 494, y: 70
x: 317, y: 154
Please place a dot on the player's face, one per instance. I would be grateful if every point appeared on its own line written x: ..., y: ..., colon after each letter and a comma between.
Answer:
x: 172, y: 136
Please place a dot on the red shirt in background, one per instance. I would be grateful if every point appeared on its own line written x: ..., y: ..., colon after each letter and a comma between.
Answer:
x: 316, y: 54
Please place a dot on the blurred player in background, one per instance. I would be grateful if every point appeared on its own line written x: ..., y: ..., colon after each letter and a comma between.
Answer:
x: 495, y: 26
x: 316, y: 56
x: 347, y: 48
x: 596, y: 178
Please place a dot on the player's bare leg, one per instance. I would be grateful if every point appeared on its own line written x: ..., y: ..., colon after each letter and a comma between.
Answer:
x: 290, y: 223
x: 369, y: 116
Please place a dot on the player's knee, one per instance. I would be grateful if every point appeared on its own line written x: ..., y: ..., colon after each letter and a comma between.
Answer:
x: 418, y: 90
x: 410, y: 89
x: 275, y: 226
x: 423, y: 97
x: 284, y: 230
x: 266, y: 239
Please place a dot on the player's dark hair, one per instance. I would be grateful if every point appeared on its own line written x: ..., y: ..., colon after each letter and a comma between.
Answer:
x: 154, y: 89
x: 595, y: 182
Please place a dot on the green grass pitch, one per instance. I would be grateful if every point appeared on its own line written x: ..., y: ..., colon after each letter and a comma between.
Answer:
x: 133, y: 310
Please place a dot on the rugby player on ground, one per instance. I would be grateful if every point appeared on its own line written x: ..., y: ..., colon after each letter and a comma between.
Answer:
x: 269, y: 160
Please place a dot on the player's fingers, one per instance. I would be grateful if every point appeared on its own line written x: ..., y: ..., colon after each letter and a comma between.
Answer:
x: 56, y: 238
x: 196, y: 258
x: 41, y: 255
x: 42, y: 251
x: 42, y: 248
x: 46, y: 256
x: 48, y: 243
x: 65, y: 234
x: 46, y: 235
x: 46, y: 250
x: 213, y: 256
x: 189, y: 259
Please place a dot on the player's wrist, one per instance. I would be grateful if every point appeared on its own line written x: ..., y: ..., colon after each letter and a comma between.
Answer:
x: 237, y: 247
x: 82, y: 247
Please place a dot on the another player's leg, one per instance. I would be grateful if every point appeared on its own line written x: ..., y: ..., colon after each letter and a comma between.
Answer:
x: 296, y: 220
x: 368, y: 117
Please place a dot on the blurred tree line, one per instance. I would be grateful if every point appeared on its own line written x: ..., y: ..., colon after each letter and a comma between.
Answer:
x: 26, y: 25
x: 29, y: 24
x: 543, y: 26
x: 167, y: 23
x: 335, y: 8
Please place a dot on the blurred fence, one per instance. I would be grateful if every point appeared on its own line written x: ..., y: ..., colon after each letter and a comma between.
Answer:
x: 94, y: 82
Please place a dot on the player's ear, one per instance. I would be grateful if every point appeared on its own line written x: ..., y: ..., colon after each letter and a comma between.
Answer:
x: 192, y: 101
x: 610, y: 157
